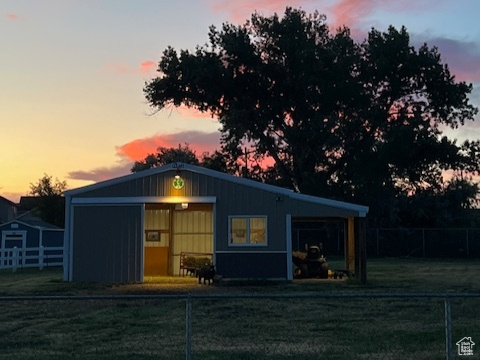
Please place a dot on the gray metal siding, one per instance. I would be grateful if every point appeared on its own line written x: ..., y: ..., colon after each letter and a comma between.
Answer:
x: 252, y: 266
x: 197, y: 184
x: 305, y: 208
x: 232, y: 199
x: 107, y: 243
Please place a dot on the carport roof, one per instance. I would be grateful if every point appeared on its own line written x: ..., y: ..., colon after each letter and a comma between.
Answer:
x: 360, y: 209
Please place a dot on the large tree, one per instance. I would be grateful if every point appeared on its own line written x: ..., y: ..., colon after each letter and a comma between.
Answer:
x: 356, y: 121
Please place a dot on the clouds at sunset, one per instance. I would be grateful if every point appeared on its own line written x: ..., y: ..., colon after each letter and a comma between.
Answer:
x: 138, y: 149
x: 101, y: 174
x: 349, y: 13
x: 144, y: 68
x: 117, y: 68
x: 11, y: 16
x: 239, y: 11
x: 92, y: 61
x: 462, y: 57
x: 340, y: 12
x: 148, y: 67
x: 198, y: 141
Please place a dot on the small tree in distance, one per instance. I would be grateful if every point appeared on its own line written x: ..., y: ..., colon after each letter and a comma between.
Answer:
x: 215, y: 161
x: 52, y: 203
x: 166, y: 156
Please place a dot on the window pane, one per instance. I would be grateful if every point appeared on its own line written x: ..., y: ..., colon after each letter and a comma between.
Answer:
x: 257, y: 230
x: 238, y: 231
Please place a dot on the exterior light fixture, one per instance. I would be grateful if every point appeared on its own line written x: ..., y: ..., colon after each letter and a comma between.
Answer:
x: 178, y: 182
x: 184, y: 206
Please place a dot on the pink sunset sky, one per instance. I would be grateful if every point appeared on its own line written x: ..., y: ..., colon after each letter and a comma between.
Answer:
x: 72, y: 75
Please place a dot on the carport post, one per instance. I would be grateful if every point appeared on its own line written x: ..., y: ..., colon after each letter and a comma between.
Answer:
x: 188, y: 328
x: 360, y: 249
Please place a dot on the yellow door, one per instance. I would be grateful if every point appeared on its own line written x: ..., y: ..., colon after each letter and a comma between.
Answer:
x: 156, y: 261
x: 157, y: 240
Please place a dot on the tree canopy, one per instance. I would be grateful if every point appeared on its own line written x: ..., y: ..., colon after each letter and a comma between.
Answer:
x: 166, y: 156
x: 361, y: 122
x: 216, y: 161
x: 52, y: 203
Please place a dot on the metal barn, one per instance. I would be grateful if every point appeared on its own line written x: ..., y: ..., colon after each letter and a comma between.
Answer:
x: 139, y: 225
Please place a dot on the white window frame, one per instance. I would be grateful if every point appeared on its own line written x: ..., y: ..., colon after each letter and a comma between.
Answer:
x: 6, y: 236
x: 247, y: 217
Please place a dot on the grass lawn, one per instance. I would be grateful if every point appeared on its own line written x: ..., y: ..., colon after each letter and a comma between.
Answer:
x: 255, y: 328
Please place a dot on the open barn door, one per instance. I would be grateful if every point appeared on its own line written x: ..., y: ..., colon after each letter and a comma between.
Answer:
x: 192, y: 233
x: 157, y: 239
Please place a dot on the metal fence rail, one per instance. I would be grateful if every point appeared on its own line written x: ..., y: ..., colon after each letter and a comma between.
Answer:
x: 243, y: 326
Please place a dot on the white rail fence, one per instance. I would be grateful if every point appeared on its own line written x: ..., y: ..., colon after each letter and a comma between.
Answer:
x: 38, y: 257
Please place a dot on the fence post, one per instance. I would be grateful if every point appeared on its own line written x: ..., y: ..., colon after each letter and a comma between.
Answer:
x: 40, y: 257
x: 448, y: 329
x: 188, y: 328
x: 423, y: 243
x: 468, y: 251
x: 14, y: 259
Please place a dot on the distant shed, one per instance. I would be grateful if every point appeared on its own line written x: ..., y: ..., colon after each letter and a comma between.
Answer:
x: 138, y: 225
x: 29, y: 233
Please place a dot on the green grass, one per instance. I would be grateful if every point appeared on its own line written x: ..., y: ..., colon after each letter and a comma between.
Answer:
x: 301, y: 328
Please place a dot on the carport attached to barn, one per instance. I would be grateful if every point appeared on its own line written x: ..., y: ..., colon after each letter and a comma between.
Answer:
x: 124, y: 229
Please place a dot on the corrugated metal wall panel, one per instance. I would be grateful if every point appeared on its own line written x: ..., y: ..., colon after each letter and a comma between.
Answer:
x: 252, y: 266
x: 232, y: 199
x: 107, y: 243
x: 303, y: 208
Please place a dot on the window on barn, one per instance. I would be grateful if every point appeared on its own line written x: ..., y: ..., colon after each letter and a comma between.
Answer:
x: 247, y: 230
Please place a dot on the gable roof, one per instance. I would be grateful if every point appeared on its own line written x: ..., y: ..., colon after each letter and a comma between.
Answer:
x: 30, y: 218
x: 362, y: 210
x: 4, y: 199
x: 33, y: 223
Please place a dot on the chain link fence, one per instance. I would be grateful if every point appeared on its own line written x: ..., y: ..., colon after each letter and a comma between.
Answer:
x: 255, y: 326
x: 424, y: 243
x: 388, y: 242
